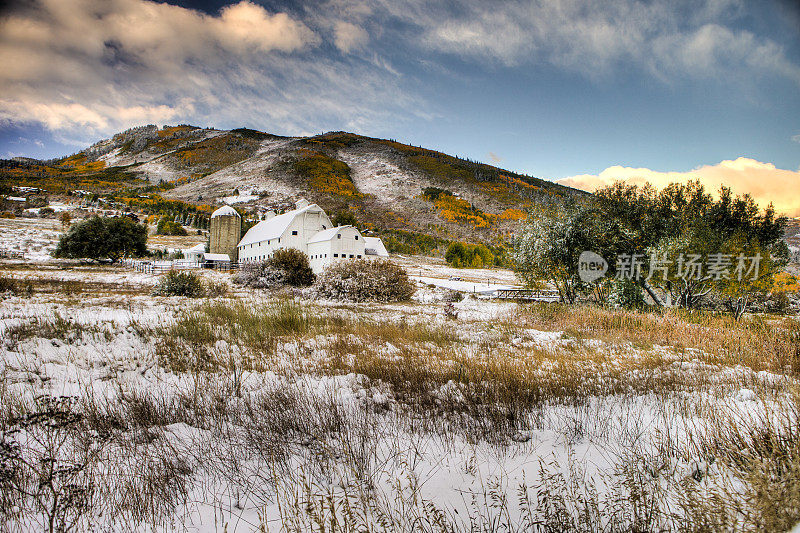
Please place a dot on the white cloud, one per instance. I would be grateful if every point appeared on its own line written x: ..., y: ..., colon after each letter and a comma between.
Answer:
x: 796, y: 138
x: 763, y: 181
x: 348, y: 36
x: 85, y: 69
x: 668, y: 38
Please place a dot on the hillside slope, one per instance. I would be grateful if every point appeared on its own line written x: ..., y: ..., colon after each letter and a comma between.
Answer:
x: 386, y: 184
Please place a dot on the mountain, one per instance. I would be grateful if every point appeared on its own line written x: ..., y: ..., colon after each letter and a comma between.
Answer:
x: 385, y: 184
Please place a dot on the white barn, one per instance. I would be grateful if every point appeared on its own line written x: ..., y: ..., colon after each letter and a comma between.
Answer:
x: 195, y: 253
x: 306, y: 228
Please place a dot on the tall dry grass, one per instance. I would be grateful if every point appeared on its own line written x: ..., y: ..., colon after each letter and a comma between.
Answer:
x: 761, y: 343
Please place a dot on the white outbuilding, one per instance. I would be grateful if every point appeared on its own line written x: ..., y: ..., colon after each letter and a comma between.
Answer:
x: 306, y: 228
x: 195, y: 253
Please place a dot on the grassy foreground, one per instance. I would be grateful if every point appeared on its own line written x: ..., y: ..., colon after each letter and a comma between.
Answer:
x: 303, y: 415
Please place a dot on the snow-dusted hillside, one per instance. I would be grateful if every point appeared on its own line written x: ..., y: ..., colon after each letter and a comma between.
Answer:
x: 381, y: 181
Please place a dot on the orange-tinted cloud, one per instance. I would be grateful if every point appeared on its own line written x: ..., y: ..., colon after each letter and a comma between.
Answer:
x: 763, y: 181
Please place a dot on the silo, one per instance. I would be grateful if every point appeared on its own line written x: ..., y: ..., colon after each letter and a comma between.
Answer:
x: 226, y: 229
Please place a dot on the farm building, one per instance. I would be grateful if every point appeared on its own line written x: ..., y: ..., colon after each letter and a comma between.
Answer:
x: 306, y: 228
x: 195, y: 253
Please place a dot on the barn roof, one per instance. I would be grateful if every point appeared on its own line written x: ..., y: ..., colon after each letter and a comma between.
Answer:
x: 327, y: 234
x: 273, y: 227
x: 216, y: 257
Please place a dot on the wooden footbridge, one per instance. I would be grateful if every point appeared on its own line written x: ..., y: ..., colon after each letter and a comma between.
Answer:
x: 526, y: 294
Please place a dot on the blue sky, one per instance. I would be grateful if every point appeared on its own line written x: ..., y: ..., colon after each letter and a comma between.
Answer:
x: 556, y: 89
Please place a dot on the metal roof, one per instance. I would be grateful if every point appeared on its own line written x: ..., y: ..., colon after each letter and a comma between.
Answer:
x: 273, y: 227
x: 327, y: 234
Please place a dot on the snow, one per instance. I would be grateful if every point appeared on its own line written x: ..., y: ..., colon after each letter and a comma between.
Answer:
x: 111, y: 357
x: 242, y: 197
x: 486, y: 288
x: 746, y: 395
x: 55, y: 206
x: 34, y: 237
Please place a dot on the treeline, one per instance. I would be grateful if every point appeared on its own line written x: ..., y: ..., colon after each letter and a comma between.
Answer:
x: 456, y: 253
x: 465, y: 255
x: 680, y: 247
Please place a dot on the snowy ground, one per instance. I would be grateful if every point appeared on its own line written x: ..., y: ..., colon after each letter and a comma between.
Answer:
x: 278, y: 410
x: 305, y: 423
x: 35, y: 237
x: 241, y: 198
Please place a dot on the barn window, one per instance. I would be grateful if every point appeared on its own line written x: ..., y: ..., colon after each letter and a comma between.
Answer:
x: 359, y: 256
x: 294, y: 232
x: 335, y: 255
x: 339, y: 236
x: 356, y: 237
x: 351, y: 256
x: 324, y: 226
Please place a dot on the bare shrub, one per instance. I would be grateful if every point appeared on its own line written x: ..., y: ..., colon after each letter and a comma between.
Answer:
x: 452, y: 296
x: 214, y: 289
x: 260, y: 275
x: 47, y: 467
x: 8, y: 285
x: 362, y: 280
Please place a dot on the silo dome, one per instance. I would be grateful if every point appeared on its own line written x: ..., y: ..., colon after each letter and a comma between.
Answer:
x: 225, y: 232
x: 225, y: 211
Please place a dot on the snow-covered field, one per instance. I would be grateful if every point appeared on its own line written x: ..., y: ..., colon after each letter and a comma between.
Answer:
x: 35, y: 237
x: 277, y: 411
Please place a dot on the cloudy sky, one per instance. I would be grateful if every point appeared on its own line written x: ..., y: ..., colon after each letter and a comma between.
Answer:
x: 587, y: 92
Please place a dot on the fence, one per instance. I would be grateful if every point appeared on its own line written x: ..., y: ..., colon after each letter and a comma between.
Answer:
x: 11, y: 254
x: 160, y: 267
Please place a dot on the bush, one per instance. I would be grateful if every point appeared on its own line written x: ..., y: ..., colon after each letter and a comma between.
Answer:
x: 8, y: 285
x: 344, y: 218
x: 180, y: 284
x: 214, y: 289
x: 452, y: 296
x: 287, y: 266
x: 294, y: 265
x: 260, y: 275
x: 103, y: 238
x: 365, y: 279
x: 169, y: 227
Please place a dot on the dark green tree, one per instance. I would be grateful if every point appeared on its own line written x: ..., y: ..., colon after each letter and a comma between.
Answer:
x: 294, y: 264
x: 101, y: 238
x: 344, y: 218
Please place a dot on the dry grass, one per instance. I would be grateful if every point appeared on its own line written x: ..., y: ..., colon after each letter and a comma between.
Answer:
x: 710, y: 465
x: 761, y: 343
